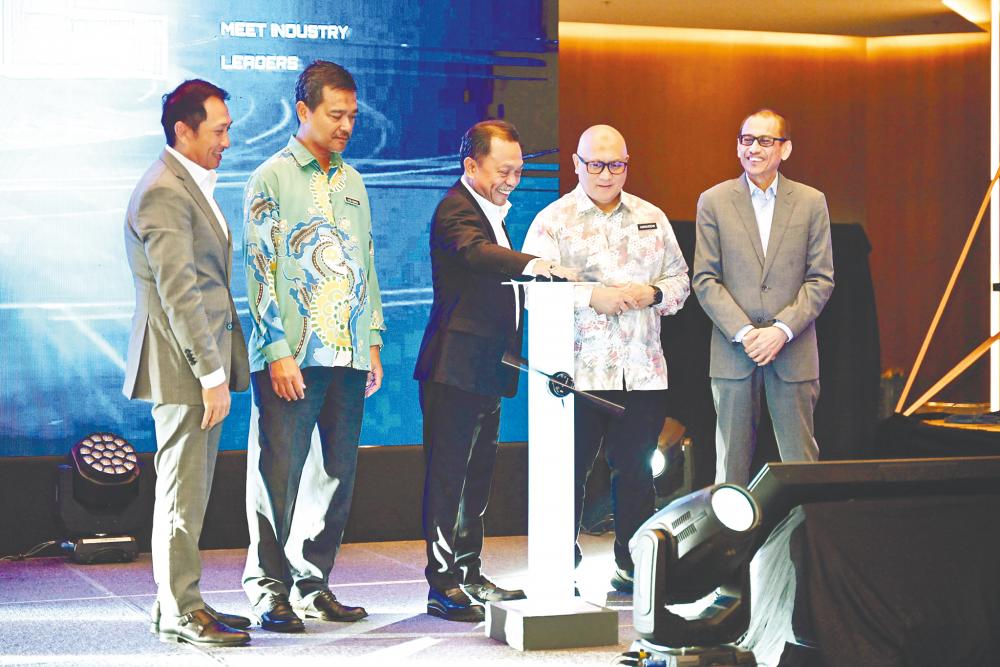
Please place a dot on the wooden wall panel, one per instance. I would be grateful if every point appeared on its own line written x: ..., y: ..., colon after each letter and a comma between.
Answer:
x: 678, y: 96
x: 928, y: 166
x: 893, y: 130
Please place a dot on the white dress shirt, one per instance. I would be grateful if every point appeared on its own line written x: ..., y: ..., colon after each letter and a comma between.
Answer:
x: 206, y: 180
x: 763, y: 210
x: 495, y: 215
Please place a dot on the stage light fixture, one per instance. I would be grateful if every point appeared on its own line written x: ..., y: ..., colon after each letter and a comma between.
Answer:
x: 672, y: 463
x: 658, y: 462
x: 697, y: 546
x: 100, y: 499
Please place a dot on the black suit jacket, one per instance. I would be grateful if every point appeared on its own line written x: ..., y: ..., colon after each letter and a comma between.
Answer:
x: 472, y: 318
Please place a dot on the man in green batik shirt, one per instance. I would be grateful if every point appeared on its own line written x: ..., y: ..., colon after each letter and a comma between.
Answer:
x: 314, y: 353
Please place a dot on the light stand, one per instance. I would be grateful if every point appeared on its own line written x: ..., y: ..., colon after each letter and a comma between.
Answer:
x: 102, y: 499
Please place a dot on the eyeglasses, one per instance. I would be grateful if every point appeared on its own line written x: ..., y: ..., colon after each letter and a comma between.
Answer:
x: 764, y: 141
x: 595, y: 167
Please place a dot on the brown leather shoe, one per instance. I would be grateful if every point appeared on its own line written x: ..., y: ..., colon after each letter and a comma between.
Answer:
x: 202, y: 629
x: 325, y: 607
x: 232, y: 620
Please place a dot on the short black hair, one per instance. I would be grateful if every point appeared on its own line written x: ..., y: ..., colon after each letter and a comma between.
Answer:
x: 477, y: 139
x: 319, y: 75
x: 186, y: 103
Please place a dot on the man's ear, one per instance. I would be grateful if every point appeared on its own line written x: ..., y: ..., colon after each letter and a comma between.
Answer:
x: 786, y: 149
x: 470, y: 166
x: 301, y: 111
x: 181, y: 132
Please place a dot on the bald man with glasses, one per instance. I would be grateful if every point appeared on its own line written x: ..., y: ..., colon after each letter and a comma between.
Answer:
x: 763, y: 270
x: 626, y: 245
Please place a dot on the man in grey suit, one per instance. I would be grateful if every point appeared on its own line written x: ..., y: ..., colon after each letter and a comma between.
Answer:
x: 186, y: 350
x: 763, y: 270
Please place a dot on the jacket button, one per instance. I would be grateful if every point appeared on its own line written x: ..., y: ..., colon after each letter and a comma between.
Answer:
x: 229, y: 326
x: 764, y: 288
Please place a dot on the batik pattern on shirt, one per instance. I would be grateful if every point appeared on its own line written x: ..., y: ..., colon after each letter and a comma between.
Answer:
x: 311, y: 282
x: 633, y: 244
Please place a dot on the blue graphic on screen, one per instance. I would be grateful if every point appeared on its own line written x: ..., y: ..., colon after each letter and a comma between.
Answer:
x: 81, y: 84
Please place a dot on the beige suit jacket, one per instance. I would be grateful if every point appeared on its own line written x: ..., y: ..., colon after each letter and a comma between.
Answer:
x: 737, y: 284
x: 185, y: 324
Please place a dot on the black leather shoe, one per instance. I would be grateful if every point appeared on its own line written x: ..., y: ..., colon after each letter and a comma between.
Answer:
x: 454, y: 605
x: 622, y: 580
x: 202, y: 629
x: 276, y: 614
x: 486, y: 591
x: 325, y: 607
x: 232, y: 620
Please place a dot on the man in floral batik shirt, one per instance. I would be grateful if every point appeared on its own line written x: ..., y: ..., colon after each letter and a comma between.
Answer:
x: 314, y: 353
x: 627, y: 245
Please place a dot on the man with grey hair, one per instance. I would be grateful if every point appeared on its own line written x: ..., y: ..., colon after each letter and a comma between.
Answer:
x: 314, y: 353
x: 627, y: 246
x: 763, y: 270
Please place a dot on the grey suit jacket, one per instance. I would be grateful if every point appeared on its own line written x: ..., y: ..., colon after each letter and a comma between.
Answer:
x: 737, y: 284
x: 185, y: 323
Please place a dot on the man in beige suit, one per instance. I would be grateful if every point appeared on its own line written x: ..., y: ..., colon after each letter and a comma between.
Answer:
x: 763, y: 270
x: 186, y: 350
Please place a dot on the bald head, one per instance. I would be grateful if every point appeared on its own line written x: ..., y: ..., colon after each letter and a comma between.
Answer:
x: 601, y: 137
x: 602, y: 148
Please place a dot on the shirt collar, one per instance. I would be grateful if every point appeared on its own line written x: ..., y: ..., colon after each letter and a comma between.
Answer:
x: 585, y: 203
x: 770, y: 193
x: 303, y: 156
x: 485, y: 204
x: 205, y: 178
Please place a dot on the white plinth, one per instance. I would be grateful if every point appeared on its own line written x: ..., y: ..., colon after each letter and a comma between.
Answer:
x: 551, y: 617
x: 551, y: 517
x: 531, y: 625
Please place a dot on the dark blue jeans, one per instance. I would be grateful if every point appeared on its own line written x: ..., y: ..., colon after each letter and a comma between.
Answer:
x: 299, y: 487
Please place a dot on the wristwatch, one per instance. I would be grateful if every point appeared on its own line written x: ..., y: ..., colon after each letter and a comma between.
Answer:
x: 657, y: 296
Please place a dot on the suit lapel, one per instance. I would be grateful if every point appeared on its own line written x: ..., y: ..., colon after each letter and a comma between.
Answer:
x: 483, y: 221
x: 784, y: 202
x: 503, y: 226
x: 741, y: 201
x: 199, y: 197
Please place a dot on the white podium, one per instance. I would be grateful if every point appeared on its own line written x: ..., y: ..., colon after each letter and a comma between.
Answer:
x: 551, y: 616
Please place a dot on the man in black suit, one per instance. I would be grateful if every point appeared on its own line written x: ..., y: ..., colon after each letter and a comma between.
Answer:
x: 474, y: 319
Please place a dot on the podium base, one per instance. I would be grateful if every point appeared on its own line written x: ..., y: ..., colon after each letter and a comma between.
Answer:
x: 531, y: 625
x: 698, y: 656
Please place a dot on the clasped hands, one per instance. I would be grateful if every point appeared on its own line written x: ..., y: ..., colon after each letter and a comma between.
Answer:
x: 763, y: 345
x: 617, y: 299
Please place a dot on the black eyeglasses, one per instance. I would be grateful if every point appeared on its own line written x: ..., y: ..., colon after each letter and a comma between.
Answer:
x: 595, y: 167
x: 764, y: 140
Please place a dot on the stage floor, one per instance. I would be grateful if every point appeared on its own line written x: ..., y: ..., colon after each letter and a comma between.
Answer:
x: 54, y: 612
